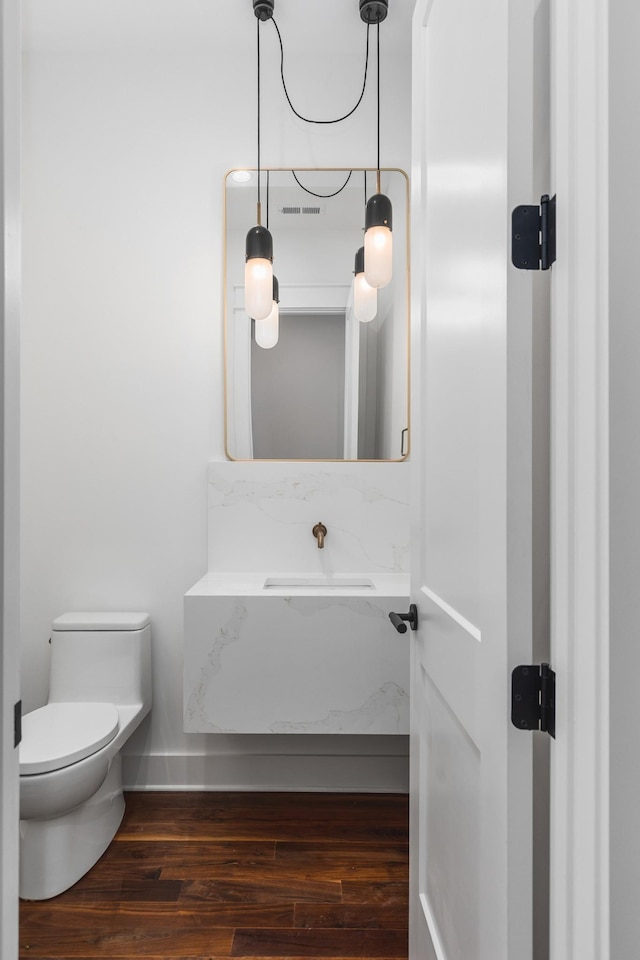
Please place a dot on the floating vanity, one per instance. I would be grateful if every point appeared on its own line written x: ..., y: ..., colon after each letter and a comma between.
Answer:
x: 296, y: 654
x: 305, y: 646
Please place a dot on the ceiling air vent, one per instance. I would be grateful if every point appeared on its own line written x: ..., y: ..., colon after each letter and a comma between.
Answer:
x: 301, y: 210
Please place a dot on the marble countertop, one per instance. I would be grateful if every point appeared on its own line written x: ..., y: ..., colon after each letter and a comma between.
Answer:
x: 301, y: 584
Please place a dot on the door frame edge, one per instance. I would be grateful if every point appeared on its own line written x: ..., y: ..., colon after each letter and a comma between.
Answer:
x: 579, y: 921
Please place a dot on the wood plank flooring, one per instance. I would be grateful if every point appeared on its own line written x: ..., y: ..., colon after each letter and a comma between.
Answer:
x: 197, y: 876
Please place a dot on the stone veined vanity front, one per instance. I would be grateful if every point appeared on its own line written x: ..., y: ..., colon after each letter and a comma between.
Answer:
x: 295, y: 658
x: 306, y: 644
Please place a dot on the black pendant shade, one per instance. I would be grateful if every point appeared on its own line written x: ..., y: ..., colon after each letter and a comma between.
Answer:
x: 259, y: 244
x: 379, y: 212
x: 359, y: 263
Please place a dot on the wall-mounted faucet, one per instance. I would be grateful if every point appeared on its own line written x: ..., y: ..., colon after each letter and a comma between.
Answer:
x: 320, y: 532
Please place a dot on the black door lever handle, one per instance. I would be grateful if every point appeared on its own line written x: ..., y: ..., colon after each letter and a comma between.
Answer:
x: 398, y: 619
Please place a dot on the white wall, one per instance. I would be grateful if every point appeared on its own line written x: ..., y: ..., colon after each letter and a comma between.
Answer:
x: 9, y: 465
x: 132, y: 115
x: 624, y: 242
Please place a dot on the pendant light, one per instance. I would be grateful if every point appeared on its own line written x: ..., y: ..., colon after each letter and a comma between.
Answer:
x: 378, y: 239
x: 258, y: 271
x: 365, y: 297
x: 268, y: 330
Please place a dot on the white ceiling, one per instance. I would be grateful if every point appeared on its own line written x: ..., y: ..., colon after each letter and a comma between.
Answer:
x: 102, y: 26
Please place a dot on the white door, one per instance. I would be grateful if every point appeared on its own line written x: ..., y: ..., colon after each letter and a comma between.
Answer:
x: 471, y: 791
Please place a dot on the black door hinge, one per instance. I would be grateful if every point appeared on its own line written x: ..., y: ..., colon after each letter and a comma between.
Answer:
x: 533, y: 698
x: 17, y: 723
x: 533, y: 235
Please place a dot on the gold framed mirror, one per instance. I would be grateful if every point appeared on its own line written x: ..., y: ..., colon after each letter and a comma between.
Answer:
x: 332, y: 387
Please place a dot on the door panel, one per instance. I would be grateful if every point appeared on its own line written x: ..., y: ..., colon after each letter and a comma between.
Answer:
x: 441, y: 634
x: 471, y: 792
x: 453, y: 772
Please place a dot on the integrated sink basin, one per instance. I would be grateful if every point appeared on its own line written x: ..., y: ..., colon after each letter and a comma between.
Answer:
x: 318, y: 583
x: 282, y: 583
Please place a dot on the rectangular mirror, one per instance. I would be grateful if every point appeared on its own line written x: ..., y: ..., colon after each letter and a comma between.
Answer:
x: 332, y: 387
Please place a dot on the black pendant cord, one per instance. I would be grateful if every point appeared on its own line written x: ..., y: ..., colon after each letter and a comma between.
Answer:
x: 322, y: 196
x: 286, y: 92
x: 267, y: 199
x: 258, y: 61
x: 378, y: 66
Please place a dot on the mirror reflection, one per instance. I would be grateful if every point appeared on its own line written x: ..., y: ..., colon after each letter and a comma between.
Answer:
x: 314, y: 382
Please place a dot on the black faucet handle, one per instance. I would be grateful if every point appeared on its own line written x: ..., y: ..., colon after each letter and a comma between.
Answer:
x: 398, y: 619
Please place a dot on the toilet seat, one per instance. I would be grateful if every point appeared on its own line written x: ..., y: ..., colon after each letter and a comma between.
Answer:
x: 59, y: 734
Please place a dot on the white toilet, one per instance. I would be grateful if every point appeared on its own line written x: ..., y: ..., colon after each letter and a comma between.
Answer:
x: 71, y: 801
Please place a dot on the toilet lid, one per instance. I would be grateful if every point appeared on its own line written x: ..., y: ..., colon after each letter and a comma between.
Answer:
x: 59, y: 734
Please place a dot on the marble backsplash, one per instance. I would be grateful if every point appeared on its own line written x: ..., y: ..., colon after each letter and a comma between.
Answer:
x: 261, y: 517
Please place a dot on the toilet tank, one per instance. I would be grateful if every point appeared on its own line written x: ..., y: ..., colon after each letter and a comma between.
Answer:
x: 101, y: 657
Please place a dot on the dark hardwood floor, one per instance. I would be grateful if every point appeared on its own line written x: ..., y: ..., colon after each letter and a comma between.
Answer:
x: 207, y: 875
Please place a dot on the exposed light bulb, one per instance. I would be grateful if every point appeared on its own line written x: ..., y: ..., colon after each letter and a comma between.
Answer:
x: 378, y: 241
x: 378, y: 256
x: 365, y: 297
x: 258, y: 273
x: 267, y: 331
x: 258, y: 279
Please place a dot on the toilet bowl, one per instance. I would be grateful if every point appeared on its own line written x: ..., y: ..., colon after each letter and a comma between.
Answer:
x: 71, y: 800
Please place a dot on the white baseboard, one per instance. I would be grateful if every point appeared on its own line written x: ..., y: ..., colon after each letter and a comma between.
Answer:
x: 259, y: 772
